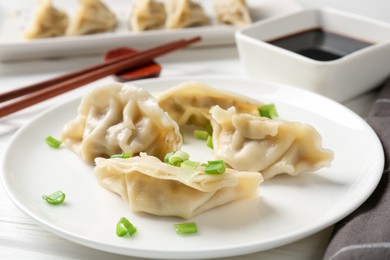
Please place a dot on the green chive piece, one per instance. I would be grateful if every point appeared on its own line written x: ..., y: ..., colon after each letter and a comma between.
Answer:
x: 209, y: 142
x: 53, y: 142
x: 121, y: 230
x: 176, y: 158
x: 215, y: 167
x: 122, y: 155
x: 268, y: 110
x: 55, y: 199
x: 201, y: 134
x: 209, y: 129
x: 186, y: 228
x: 189, y: 164
x: 167, y: 156
x: 124, y: 227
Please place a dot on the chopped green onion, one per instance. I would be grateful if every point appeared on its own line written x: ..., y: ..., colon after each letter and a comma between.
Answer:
x: 167, y: 156
x: 186, y: 228
x: 55, y: 199
x: 201, y: 134
x: 189, y: 164
x: 53, y: 142
x: 215, y: 167
x: 209, y: 129
x: 124, y: 227
x: 268, y: 110
x: 209, y: 142
x: 176, y: 158
x: 122, y: 155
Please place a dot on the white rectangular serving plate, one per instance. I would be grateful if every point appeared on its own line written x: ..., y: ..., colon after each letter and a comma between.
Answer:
x: 17, y: 16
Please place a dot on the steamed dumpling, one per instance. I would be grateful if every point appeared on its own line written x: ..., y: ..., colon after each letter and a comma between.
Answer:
x: 147, y: 15
x: 233, y: 12
x: 48, y: 22
x: 93, y: 16
x: 189, y: 103
x: 185, y: 13
x: 270, y: 146
x: 151, y: 186
x: 120, y: 118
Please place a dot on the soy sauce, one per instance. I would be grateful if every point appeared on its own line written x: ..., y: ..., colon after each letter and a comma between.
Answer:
x: 319, y: 44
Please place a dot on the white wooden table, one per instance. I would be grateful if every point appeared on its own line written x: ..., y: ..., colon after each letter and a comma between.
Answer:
x: 22, y: 238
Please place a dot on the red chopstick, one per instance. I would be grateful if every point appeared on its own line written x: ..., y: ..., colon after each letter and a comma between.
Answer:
x: 50, y: 88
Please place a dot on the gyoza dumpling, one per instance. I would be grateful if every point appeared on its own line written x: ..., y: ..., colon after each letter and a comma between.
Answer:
x: 185, y: 13
x: 48, y: 22
x: 147, y: 15
x: 149, y: 185
x: 189, y: 103
x: 93, y: 16
x: 270, y: 146
x: 120, y: 118
x: 233, y: 12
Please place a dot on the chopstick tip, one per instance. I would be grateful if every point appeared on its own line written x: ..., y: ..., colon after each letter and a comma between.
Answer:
x: 194, y: 39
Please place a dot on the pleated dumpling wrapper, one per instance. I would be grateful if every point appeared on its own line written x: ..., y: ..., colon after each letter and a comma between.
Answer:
x: 189, y: 103
x: 93, y: 16
x: 120, y: 118
x: 48, y: 22
x: 149, y: 185
x: 270, y: 146
x: 147, y: 15
x: 185, y: 13
x: 234, y: 12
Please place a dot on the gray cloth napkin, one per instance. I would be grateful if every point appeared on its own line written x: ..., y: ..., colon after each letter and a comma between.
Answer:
x: 365, y: 234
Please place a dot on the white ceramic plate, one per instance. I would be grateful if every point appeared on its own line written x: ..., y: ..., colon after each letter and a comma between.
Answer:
x: 287, y: 209
x: 16, y: 17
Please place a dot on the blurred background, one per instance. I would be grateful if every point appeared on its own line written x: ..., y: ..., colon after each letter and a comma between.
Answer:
x: 378, y: 9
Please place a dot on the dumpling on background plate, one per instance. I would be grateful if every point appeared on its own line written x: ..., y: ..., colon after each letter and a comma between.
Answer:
x: 147, y: 15
x: 185, y: 13
x: 149, y: 185
x: 189, y: 102
x: 234, y: 12
x: 93, y: 16
x: 270, y: 146
x: 120, y: 118
x: 48, y: 22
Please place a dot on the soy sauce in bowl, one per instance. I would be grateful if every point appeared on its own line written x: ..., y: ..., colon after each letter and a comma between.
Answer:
x: 319, y: 44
